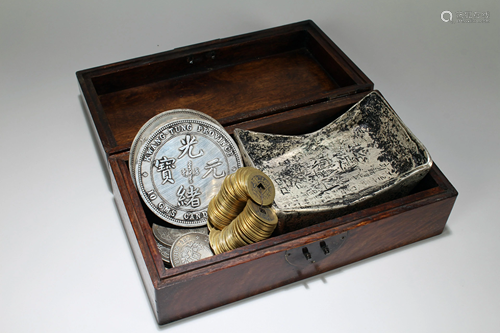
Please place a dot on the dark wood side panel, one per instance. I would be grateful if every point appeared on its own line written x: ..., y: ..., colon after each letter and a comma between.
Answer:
x: 135, y: 236
x: 325, y: 43
x: 92, y: 107
x: 196, y: 58
x: 267, y: 269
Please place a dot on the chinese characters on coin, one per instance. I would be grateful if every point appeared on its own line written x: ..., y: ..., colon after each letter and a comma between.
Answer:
x: 180, y: 168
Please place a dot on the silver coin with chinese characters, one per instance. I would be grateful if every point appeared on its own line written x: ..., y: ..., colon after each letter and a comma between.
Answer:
x: 157, y: 121
x: 189, y: 248
x: 182, y: 166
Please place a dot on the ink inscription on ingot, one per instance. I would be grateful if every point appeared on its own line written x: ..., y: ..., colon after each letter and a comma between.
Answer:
x: 365, y: 152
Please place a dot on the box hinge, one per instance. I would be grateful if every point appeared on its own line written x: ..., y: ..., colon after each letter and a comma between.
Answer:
x: 344, y: 95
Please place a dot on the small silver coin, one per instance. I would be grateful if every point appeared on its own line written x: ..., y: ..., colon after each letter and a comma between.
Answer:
x: 189, y: 248
x: 167, y: 236
x: 152, y: 124
x: 164, y: 251
x: 182, y: 166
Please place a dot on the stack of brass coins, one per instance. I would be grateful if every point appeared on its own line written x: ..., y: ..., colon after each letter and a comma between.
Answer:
x: 253, y: 224
x: 239, y: 214
x: 246, y: 183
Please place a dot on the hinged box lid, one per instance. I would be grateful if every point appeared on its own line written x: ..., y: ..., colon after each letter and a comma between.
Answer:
x: 233, y: 80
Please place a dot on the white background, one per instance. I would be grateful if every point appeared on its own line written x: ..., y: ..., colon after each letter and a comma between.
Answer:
x: 65, y: 263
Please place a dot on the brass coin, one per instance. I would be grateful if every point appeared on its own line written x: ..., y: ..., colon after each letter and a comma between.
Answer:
x: 260, y: 187
x: 264, y: 214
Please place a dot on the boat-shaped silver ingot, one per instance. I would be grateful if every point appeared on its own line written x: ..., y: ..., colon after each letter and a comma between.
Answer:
x: 365, y: 154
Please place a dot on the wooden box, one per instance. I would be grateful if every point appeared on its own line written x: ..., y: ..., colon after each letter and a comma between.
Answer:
x: 289, y: 80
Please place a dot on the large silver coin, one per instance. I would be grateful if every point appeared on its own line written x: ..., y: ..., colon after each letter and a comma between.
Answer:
x: 167, y: 236
x: 164, y: 251
x: 189, y: 248
x: 182, y: 166
x: 152, y: 125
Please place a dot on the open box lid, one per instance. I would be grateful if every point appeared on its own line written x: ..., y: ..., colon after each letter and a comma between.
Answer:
x: 233, y: 80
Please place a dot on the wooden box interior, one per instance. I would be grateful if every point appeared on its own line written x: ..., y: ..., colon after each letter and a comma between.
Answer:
x: 310, y: 119
x: 233, y: 80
